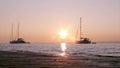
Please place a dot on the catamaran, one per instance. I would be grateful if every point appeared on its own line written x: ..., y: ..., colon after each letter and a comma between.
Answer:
x: 83, y: 40
x: 18, y: 40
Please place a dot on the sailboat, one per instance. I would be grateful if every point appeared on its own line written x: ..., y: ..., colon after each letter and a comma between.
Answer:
x: 18, y: 40
x: 83, y: 40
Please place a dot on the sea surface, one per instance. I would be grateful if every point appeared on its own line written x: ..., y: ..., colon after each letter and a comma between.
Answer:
x: 107, y: 53
x: 102, y: 49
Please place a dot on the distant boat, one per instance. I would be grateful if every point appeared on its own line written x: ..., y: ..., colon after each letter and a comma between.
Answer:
x: 83, y: 40
x: 18, y: 40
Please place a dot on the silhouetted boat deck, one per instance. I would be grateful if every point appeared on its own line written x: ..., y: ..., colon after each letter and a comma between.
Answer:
x: 18, y: 40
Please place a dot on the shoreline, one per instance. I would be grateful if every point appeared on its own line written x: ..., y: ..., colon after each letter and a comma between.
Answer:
x: 37, y: 60
x: 23, y: 59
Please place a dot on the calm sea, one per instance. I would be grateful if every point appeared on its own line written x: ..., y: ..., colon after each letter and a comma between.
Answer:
x: 101, y: 49
x: 106, y: 55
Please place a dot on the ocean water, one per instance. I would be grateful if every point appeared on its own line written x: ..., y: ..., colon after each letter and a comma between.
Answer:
x: 105, y: 55
x: 101, y: 49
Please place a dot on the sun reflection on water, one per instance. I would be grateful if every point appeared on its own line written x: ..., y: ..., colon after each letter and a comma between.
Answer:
x: 63, y: 49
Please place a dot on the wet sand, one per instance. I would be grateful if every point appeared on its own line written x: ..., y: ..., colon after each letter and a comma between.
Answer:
x: 38, y: 60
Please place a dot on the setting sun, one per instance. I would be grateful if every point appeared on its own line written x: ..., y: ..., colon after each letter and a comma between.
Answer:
x: 63, y: 34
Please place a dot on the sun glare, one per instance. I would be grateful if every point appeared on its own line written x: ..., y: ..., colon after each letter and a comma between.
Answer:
x: 63, y: 34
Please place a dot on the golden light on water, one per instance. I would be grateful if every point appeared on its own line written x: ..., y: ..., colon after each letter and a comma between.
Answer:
x: 63, y: 49
x: 63, y: 54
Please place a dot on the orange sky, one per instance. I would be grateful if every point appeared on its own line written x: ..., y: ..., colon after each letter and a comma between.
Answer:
x: 42, y: 20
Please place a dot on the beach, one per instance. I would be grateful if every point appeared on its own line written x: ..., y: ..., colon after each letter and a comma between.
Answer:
x: 32, y: 60
x: 60, y: 55
x: 22, y: 59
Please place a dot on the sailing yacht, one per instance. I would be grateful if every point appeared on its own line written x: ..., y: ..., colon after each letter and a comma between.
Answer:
x: 18, y: 40
x: 83, y: 40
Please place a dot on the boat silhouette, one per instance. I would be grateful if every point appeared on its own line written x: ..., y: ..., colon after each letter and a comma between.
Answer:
x: 18, y: 40
x: 83, y: 40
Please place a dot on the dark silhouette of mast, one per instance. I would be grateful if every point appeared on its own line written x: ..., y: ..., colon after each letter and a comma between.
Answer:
x: 18, y: 31
x: 11, y: 32
x: 80, y: 28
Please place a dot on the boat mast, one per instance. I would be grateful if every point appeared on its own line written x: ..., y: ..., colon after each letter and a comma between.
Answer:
x: 80, y: 28
x: 12, y: 33
x: 18, y: 31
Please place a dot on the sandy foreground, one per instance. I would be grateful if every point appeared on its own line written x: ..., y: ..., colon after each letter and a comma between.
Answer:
x: 38, y: 60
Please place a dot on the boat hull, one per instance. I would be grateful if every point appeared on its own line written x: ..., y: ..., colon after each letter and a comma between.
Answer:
x: 19, y: 41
